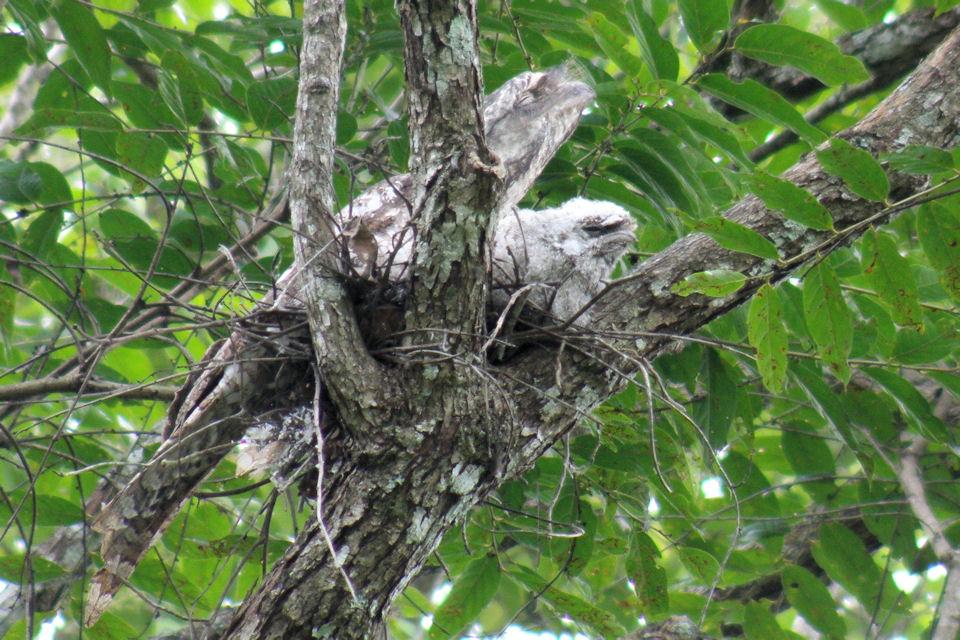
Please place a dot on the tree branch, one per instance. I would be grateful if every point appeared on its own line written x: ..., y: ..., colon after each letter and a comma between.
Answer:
x: 457, y: 180
x: 76, y: 382
x: 339, y: 347
x: 948, y: 624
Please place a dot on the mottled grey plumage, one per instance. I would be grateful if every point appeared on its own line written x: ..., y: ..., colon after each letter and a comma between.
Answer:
x: 259, y: 370
x: 565, y: 253
x: 527, y: 119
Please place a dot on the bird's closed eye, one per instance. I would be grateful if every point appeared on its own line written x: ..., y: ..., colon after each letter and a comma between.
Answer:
x: 602, y: 229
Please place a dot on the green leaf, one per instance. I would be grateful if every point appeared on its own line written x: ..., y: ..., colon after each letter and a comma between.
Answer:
x: 13, y: 567
x: 795, y: 203
x: 41, y: 235
x: 27, y: 14
x: 724, y: 139
x: 702, y: 19
x: 564, y: 603
x: 144, y: 154
x: 52, y: 118
x: 812, y: 601
x: 920, y: 159
x: 8, y: 295
x: 182, y: 95
x: 890, y: 275
x: 55, y: 191
x: 734, y: 236
x: 649, y: 578
x: 271, y: 103
x: 760, y: 624
x: 117, y: 223
x: 53, y: 511
x: 136, y: 243
x: 83, y: 33
x: 914, y: 406
x: 472, y: 591
x: 719, y: 407
x: 703, y: 566
x: 859, y: 170
x: 665, y: 151
x: 828, y: 318
x: 845, y: 559
x: 658, y: 53
x: 848, y: 16
x: 768, y: 335
x: 13, y: 52
x: 828, y: 403
x: 229, y: 64
x: 146, y: 109
x: 664, y: 183
x: 754, y: 98
x: 809, y: 456
x: 715, y: 283
x: 935, y: 342
x: 780, y: 44
x: 751, y: 486
x: 614, y: 43
x: 148, y: 6
x: 939, y: 230
x: 19, y: 184
x: 575, y: 552
x: 346, y: 127
x: 945, y: 5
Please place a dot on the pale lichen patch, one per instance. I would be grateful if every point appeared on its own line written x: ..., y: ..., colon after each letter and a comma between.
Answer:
x: 464, y: 478
x: 419, y: 526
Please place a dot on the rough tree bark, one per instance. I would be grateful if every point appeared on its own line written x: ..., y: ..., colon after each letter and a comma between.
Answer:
x: 430, y: 439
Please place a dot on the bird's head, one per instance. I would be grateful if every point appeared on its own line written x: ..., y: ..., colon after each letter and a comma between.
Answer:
x: 528, y: 119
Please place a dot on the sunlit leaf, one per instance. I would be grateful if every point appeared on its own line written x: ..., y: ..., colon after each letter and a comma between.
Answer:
x: 703, y: 19
x: 471, y: 592
x: 781, y: 44
x: 649, y: 578
x: 813, y: 601
x: 658, y: 53
x: 793, y: 202
x: 844, y: 557
x: 85, y: 36
x: 715, y: 283
x: 753, y: 97
x: 734, y: 236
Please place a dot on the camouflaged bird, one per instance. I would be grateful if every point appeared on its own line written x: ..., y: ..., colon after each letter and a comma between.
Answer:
x: 256, y: 375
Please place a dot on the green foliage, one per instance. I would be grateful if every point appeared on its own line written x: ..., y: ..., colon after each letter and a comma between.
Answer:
x: 162, y: 133
x: 781, y: 44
